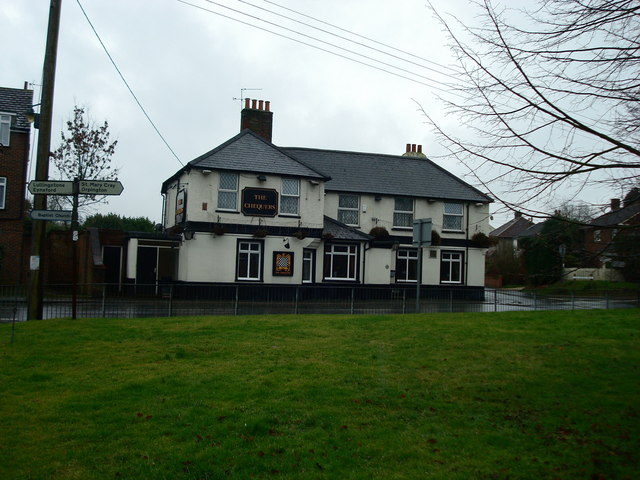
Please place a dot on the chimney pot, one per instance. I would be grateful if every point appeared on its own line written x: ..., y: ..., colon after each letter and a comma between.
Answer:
x: 246, y: 102
x: 615, y: 204
x: 413, y: 147
x: 260, y: 105
x: 419, y: 148
x: 254, y: 103
x: 266, y: 105
x: 408, y: 147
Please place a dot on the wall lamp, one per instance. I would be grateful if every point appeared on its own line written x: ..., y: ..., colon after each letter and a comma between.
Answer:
x: 33, y: 117
x: 188, y: 234
x: 262, y: 178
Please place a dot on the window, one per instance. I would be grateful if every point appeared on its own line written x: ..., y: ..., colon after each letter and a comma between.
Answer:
x: 290, y: 197
x: 308, y: 264
x: 249, y: 260
x: 451, y: 267
x: 228, y: 192
x: 403, y: 212
x: 340, y: 261
x: 452, y: 220
x: 5, y: 129
x: 597, y: 236
x: 348, y: 206
x: 407, y: 266
x: 3, y: 191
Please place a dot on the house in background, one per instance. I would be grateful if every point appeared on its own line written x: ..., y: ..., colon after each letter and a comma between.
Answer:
x: 508, y: 233
x: 15, y: 134
x: 251, y: 212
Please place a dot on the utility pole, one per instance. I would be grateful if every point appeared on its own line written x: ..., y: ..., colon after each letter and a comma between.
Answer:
x: 38, y: 234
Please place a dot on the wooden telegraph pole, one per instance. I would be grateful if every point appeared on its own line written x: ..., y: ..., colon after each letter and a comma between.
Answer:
x: 38, y: 238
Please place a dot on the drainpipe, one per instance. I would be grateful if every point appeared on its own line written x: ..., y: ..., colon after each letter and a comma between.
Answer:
x: 466, y: 253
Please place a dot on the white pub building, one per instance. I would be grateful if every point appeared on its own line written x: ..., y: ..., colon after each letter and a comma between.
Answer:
x: 251, y: 212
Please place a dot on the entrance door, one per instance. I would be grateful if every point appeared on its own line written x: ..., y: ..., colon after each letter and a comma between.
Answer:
x: 112, y: 260
x: 147, y: 269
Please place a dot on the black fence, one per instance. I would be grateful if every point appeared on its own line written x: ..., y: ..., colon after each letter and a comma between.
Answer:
x: 136, y: 301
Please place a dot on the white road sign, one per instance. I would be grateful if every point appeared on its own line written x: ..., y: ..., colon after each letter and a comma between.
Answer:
x: 100, y: 187
x: 52, y: 215
x: 50, y: 187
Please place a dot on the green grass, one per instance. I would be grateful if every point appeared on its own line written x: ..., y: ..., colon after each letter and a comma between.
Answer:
x: 468, y: 396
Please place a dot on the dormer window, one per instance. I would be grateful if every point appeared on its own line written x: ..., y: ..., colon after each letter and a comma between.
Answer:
x: 228, y: 192
x: 5, y: 129
x: 290, y: 197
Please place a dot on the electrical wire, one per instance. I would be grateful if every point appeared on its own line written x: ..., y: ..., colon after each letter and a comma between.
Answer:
x: 127, y: 85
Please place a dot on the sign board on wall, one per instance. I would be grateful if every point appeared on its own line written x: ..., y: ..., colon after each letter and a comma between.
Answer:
x: 181, y: 206
x: 282, y: 264
x: 259, y: 202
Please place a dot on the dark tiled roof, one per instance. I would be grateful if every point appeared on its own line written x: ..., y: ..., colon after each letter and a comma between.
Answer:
x: 340, y: 231
x: 512, y: 228
x: 533, y: 230
x: 617, y: 217
x: 250, y: 153
x: 19, y: 102
x: 387, y: 175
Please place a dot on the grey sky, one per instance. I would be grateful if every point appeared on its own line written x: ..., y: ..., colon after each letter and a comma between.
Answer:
x: 186, y: 65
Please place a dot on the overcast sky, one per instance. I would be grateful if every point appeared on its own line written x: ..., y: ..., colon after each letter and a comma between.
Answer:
x: 186, y: 65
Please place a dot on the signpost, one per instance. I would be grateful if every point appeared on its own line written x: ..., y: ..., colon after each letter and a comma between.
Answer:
x: 421, y: 238
x: 100, y: 187
x: 73, y: 188
x: 50, y: 187
x: 52, y: 215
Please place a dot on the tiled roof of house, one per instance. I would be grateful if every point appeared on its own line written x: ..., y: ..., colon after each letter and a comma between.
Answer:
x: 16, y: 101
x: 387, y: 175
x: 617, y: 217
x: 340, y: 231
x: 513, y: 228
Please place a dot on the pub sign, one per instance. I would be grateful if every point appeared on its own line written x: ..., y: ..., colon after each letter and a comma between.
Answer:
x: 259, y: 202
x: 282, y: 264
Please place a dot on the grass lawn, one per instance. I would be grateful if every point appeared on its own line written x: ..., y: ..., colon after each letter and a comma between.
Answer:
x: 527, y: 395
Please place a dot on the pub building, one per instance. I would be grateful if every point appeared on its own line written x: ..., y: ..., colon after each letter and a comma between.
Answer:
x: 249, y: 211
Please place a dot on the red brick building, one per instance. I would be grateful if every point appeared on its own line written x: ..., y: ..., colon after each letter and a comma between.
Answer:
x: 15, y: 134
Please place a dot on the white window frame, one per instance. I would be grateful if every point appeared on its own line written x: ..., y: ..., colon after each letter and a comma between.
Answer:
x: 308, y: 265
x: 5, y: 129
x: 447, y: 260
x: 3, y: 192
x: 407, y: 255
x: 248, y: 248
x: 343, y: 210
x: 287, y: 196
x: 458, y: 217
x: 397, y: 213
x: 334, y: 251
x: 225, y: 191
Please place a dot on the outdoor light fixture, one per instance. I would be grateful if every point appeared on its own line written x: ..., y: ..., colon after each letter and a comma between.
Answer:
x: 262, y: 178
x: 287, y: 245
x: 188, y: 234
x: 33, y: 117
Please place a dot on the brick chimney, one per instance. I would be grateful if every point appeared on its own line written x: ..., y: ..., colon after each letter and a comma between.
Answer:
x: 615, y: 204
x: 414, y: 150
x: 256, y: 117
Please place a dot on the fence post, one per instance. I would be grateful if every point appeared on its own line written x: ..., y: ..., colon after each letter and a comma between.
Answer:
x: 353, y: 291
x: 573, y: 301
x: 606, y: 295
x: 104, y: 300
x: 404, y: 301
x: 296, y: 298
x: 495, y: 300
x: 451, y: 300
x: 235, y: 306
x: 535, y: 302
x: 170, y: 298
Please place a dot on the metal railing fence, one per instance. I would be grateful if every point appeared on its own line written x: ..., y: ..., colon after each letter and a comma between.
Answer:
x: 137, y: 301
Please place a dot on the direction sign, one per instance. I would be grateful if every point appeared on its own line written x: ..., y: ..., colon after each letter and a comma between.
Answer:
x: 100, y: 187
x: 50, y: 187
x: 51, y: 215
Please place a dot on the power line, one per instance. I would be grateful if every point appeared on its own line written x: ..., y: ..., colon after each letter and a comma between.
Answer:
x: 127, y: 84
x: 353, y: 41
x: 318, y: 47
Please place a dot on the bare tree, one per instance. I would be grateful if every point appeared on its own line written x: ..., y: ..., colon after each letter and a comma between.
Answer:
x: 549, y: 100
x: 84, y: 153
